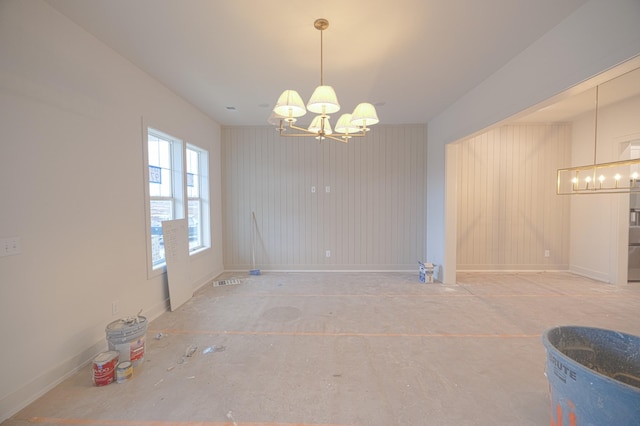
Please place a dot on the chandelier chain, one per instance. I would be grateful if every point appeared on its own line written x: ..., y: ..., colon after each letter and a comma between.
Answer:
x: 595, y: 131
x: 321, y: 59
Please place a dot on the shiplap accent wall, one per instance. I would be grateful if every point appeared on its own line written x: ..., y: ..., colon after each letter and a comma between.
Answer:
x: 372, y: 218
x: 508, y: 210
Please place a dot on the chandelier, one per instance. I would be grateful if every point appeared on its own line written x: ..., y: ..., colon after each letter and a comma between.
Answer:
x: 600, y: 178
x: 323, y: 102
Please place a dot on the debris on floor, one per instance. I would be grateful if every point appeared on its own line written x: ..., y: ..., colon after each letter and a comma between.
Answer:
x: 230, y: 417
x: 210, y: 349
x: 191, y: 349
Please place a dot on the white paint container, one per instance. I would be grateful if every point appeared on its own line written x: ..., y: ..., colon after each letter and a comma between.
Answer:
x: 127, y: 336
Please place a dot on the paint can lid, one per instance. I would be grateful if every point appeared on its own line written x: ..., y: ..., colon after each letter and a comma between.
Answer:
x: 105, y: 357
x: 124, y: 365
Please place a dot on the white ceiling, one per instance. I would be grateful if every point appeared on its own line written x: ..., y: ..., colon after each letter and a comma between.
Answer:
x: 412, y: 58
x: 617, y: 89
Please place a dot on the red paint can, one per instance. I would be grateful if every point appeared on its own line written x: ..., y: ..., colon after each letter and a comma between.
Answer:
x: 104, y: 367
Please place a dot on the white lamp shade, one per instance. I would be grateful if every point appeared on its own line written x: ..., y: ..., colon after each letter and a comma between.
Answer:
x: 323, y: 101
x: 290, y: 105
x: 317, y: 124
x: 274, y: 119
x: 344, y: 125
x: 364, y: 115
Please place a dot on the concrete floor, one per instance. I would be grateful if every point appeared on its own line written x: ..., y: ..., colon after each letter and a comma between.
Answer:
x: 348, y: 349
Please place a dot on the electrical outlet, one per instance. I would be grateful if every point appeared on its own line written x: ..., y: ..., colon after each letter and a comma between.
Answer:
x: 327, y: 189
x: 327, y: 253
x: 9, y: 246
x: 114, y: 307
x: 547, y: 253
x: 313, y: 189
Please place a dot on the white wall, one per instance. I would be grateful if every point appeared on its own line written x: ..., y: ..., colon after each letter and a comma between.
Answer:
x: 596, y: 219
x: 508, y: 210
x: 373, y: 218
x: 71, y: 187
x: 596, y: 37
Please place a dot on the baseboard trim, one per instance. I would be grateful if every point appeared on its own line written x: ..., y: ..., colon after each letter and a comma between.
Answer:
x: 590, y: 273
x: 16, y: 401
x: 246, y: 271
x: 28, y: 393
x: 513, y: 271
x: 512, y: 268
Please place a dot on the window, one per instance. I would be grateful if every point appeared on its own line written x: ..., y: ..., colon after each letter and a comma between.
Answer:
x: 197, y: 196
x: 177, y: 182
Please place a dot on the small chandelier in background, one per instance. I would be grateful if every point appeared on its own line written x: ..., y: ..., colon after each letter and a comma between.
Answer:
x: 600, y: 178
x: 323, y: 102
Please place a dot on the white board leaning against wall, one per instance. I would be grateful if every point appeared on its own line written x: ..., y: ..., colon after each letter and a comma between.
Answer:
x: 176, y: 247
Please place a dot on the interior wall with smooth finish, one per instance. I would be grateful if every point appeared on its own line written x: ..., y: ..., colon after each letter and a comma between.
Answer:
x: 595, y: 38
x: 71, y: 185
x: 509, y: 215
x: 599, y: 222
x: 364, y: 201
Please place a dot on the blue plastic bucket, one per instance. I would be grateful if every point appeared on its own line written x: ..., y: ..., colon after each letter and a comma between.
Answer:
x: 594, y: 376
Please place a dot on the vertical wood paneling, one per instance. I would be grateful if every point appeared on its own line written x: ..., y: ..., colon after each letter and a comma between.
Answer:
x: 508, y: 212
x: 372, y: 218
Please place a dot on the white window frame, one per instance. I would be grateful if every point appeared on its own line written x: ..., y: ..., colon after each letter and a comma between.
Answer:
x: 202, y: 198
x: 179, y: 192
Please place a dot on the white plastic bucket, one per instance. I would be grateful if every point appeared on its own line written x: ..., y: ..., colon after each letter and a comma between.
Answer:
x: 127, y: 336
